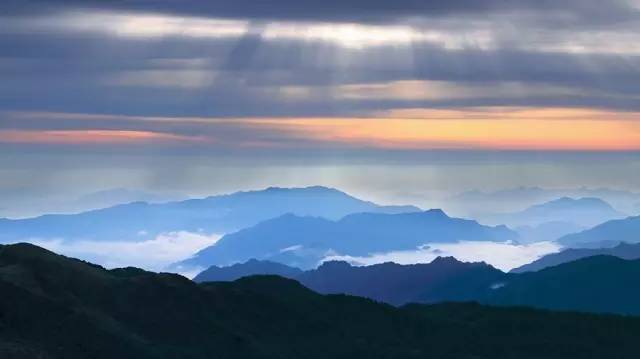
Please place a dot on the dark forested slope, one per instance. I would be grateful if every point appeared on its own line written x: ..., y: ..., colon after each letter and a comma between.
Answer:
x: 55, y: 307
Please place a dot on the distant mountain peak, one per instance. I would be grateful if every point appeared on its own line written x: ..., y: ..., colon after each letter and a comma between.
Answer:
x: 628, y: 251
x: 436, y: 212
x: 446, y: 260
x: 333, y: 264
x: 445, y: 278
x: 308, y: 188
x: 570, y: 202
x: 620, y: 230
x: 283, y: 190
x: 581, y: 200
x: 579, y: 212
x: 250, y: 267
x: 430, y: 213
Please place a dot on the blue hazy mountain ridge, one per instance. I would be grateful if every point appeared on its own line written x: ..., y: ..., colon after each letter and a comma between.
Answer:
x: 477, y: 203
x: 611, y: 232
x: 29, y: 206
x: 586, y: 212
x: 304, y: 241
x: 622, y: 250
x: 115, y: 196
x: 551, y: 220
x: 505, y: 199
x: 248, y: 268
x: 548, y: 231
x: 216, y: 214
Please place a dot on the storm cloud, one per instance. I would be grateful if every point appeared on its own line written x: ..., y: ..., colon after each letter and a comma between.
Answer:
x: 289, y: 58
x: 270, y: 82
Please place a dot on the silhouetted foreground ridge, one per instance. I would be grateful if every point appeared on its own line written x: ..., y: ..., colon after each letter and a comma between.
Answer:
x: 56, y: 307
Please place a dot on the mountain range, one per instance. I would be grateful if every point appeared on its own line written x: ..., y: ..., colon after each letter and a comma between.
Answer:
x: 217, y: 214
x: 55, y: 307
x: 304, y: 241
x: 607, y: 234
x: 444, y: 279
x: 548, y: 231
x: 622, y: 250
x: 476, y: 203
x: 246, y: 269
x: 603, y: 284
x: 551, y: 220
x: 29, y: 206
x: 582, y: 211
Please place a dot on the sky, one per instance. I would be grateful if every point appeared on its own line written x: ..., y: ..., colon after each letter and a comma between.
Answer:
x: 389, y: 100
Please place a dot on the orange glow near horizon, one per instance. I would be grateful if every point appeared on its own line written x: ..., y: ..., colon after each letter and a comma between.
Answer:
x: 501, y: 129
x: 470, y: 134
x: 472, y: 129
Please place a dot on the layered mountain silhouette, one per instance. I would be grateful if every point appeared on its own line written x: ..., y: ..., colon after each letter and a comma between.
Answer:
x: 28, y: 206
x: 303, y: 241
x: 548, y: 231
x: 585, y: 212
x: 249, y: 268
x: 478, y: 203
x: 604, y: 284
x: 622, y: 250
x: 605, y: 235
x: 56, y: 307
x: 444, y: 279
x: 217, y: 214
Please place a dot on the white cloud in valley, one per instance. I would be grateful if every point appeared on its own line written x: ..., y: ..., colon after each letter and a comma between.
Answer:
x: 154, y: 254
x: 504, y: 256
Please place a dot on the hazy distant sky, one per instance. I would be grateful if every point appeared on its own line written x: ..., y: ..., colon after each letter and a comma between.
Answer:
x: 387, y: 99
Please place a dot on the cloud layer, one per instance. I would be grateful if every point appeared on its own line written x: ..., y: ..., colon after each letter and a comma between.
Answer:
x: 155, y: 254
x: 336, y: 10
x: 286, y: 58
x: 504, y: 256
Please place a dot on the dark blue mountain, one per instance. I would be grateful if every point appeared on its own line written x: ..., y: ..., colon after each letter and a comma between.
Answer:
x: 602, y: 284
x: 246, y: 269
x: 303, y: 241
x: 444, y: 279
x: 217, y: 214
x: 615, y: 231
x: 622, y: 250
